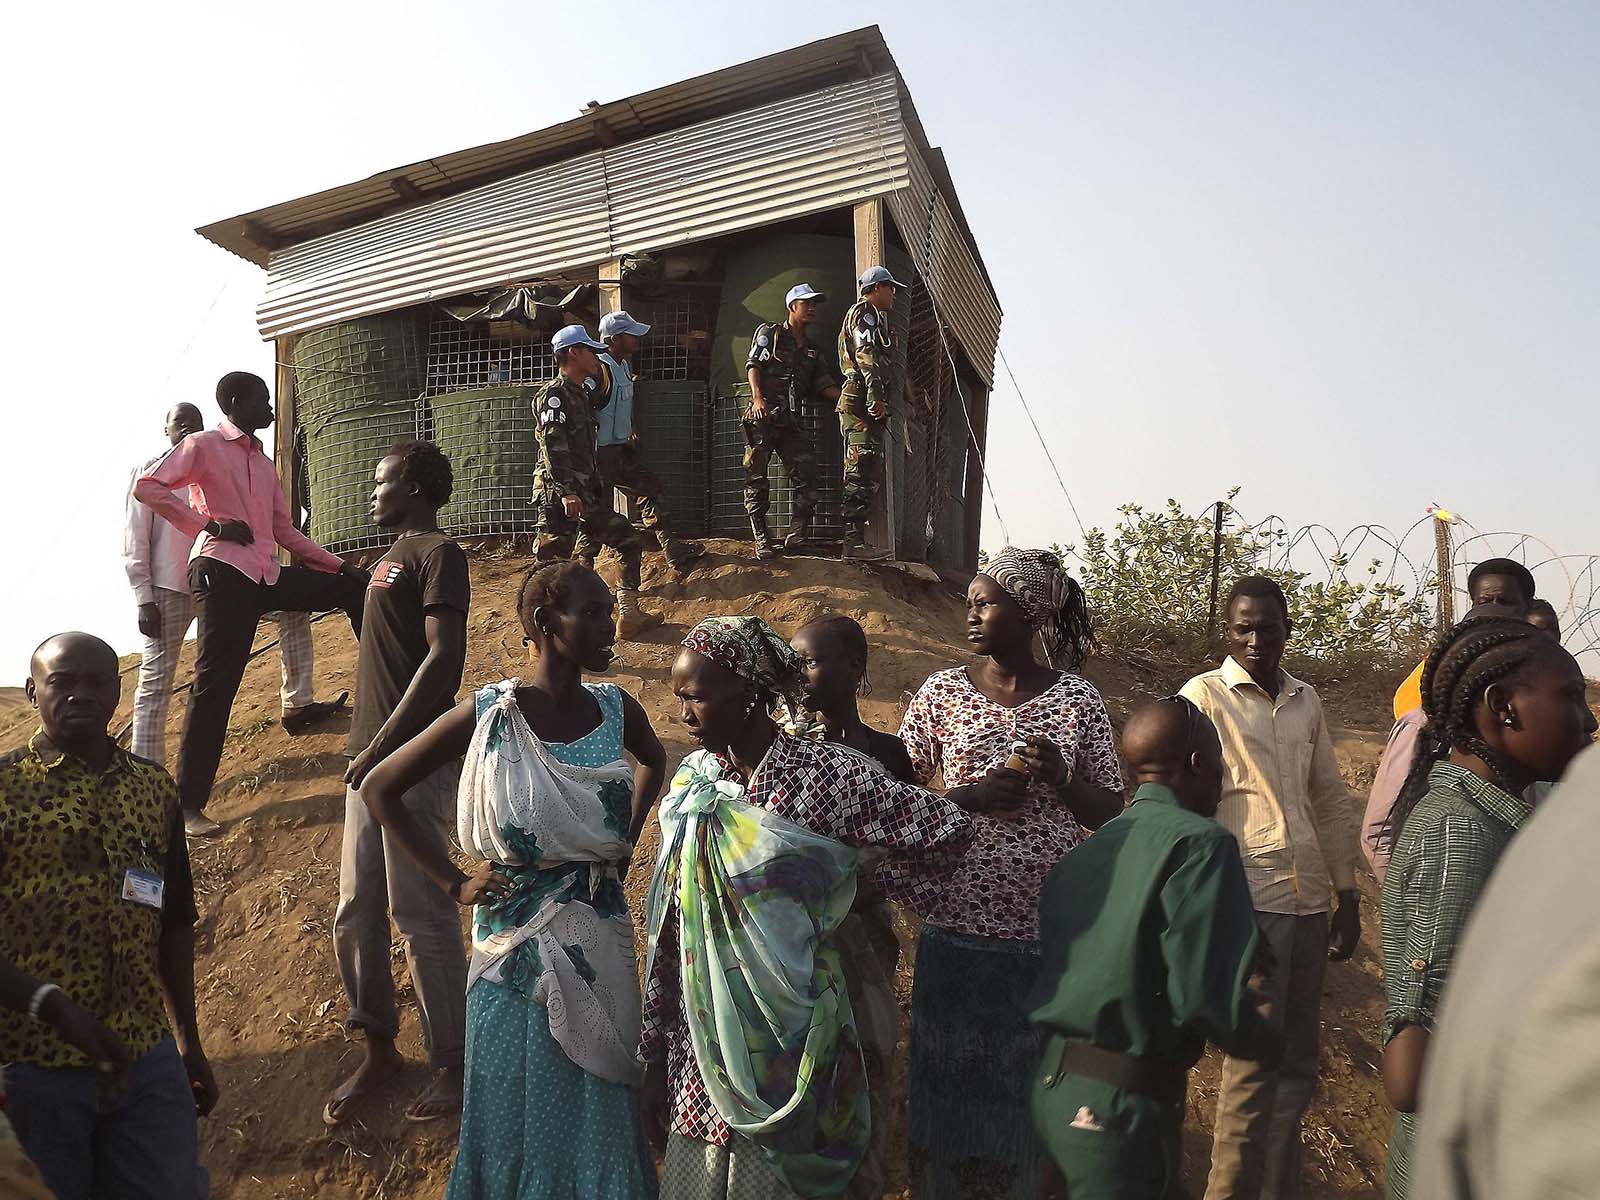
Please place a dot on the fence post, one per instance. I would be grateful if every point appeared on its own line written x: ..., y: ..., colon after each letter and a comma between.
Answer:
x: 1216, y: 568
x: 1447, y: 590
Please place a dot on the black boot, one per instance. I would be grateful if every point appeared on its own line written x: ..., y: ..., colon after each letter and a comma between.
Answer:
x: 794, y: 534
x: 682, y: 556
x: 855, y: 544
x: 766, y: 548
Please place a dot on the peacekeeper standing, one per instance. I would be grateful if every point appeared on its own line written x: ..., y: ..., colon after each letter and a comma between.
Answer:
x: 867, y: 355
x: 617, y: 445
x: 783, y: 368
x: 568, y: 493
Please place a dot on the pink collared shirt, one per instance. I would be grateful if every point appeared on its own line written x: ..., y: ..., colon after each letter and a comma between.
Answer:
x: 230, y: 479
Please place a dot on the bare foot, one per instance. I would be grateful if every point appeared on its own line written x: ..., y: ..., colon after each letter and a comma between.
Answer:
x: 441, y: 1098
x: 381, y: 1064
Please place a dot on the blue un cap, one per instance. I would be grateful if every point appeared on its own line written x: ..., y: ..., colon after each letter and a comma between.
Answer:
x: 873, y: 276
x: 802, y: 291
x: 574, y: 335
x: 621, y: 322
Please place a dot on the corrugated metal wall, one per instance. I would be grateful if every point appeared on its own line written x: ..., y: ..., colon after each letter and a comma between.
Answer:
x: 827, y: 149
x: 948, y: 266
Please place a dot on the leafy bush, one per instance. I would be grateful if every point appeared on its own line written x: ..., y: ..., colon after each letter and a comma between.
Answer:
x: 1149, y: 588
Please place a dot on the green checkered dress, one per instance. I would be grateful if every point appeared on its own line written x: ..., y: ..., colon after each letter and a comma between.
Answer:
x: 1441, y: 864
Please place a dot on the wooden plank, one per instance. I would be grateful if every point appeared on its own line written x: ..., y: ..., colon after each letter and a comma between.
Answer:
x: 405, y: 189
x: 286, y: 427
x: 883, y: 527
x: 610, y: 276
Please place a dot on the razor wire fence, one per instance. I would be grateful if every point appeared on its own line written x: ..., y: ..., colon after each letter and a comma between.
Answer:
x: 1367, y: 597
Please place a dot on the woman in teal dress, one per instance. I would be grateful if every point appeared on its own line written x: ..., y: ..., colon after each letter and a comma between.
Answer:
x: 551, y: 808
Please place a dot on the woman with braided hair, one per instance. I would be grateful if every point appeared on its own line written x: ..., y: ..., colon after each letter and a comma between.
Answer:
x: 973, y: 1050
x: 1506, y: 708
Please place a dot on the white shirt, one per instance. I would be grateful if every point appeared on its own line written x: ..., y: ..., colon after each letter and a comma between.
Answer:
x: 154, y: 551
x: 1282, y: 797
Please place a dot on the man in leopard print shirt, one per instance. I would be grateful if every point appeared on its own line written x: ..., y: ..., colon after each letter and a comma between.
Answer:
x: 98, y: 898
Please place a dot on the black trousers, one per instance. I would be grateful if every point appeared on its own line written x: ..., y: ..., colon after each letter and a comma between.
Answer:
x: 227, y: 607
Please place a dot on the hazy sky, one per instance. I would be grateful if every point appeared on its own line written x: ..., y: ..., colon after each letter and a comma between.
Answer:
x: 1345, y: 255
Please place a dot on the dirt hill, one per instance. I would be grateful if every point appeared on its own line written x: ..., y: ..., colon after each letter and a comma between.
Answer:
x: 270, y: 1001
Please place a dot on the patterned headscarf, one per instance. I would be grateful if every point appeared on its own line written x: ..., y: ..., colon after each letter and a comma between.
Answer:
x: 1050, y: 599
x: 752, y: 650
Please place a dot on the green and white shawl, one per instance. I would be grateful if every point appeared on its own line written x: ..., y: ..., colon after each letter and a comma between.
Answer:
x: 758, y: 898
x: 563, y: 937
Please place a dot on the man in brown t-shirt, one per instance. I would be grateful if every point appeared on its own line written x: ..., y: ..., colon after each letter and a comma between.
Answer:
x: 413, y: 647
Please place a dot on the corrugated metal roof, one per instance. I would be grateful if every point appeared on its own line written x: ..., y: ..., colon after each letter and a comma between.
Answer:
x: 809, y: 153
x: 853, y: 55
x: 457, y: 222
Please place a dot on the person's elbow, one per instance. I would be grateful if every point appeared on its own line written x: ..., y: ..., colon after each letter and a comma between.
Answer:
x: 1402, y: 1068
x: 377, y: 795
x: 654, y: 757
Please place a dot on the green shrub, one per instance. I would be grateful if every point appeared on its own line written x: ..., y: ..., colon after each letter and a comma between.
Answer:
x: 1148, y: 582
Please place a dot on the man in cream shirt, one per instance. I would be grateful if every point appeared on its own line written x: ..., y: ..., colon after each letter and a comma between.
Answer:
x: 1286, y: 804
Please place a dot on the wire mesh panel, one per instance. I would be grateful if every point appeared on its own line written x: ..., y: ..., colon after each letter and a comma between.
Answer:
x: 341, y: 452
x: 671, y: 417
x: 949, y: 485
x: 727, y: 516
x: 678, y: 346
x: 488, y: 436
x: 470, y: 355
x: 928, y: 395
x: 912, y: 477
x: 358, y: 364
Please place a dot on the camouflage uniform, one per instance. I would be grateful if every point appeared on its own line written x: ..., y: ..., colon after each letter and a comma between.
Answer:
x: 563, y: 422
x: 867, y: 352
x: 790, y: 371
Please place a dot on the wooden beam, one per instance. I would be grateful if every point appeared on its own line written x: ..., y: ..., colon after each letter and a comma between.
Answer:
x: 286, y: 428
x: 405, y: 189
x: 883, y: 528
x: 257, y: 235
x: 610, y: 277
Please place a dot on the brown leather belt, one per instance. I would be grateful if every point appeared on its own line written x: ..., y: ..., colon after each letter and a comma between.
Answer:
x: 1155, y: 1078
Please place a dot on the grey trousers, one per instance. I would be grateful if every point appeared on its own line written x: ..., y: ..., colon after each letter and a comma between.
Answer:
x: 377, y: 880
x: 159, y: 665
x: 147, y: 1148
x: 1255, y: 1149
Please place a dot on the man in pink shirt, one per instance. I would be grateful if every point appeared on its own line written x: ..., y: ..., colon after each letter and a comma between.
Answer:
x: 236, y: 508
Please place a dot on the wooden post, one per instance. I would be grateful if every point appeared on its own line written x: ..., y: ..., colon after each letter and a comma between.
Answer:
x: 972, y: 514
x: 610, y: 276
x: 883, y: 529
x: 1216, y: 571
x: 286, y: 427
x: 1443, y: 553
